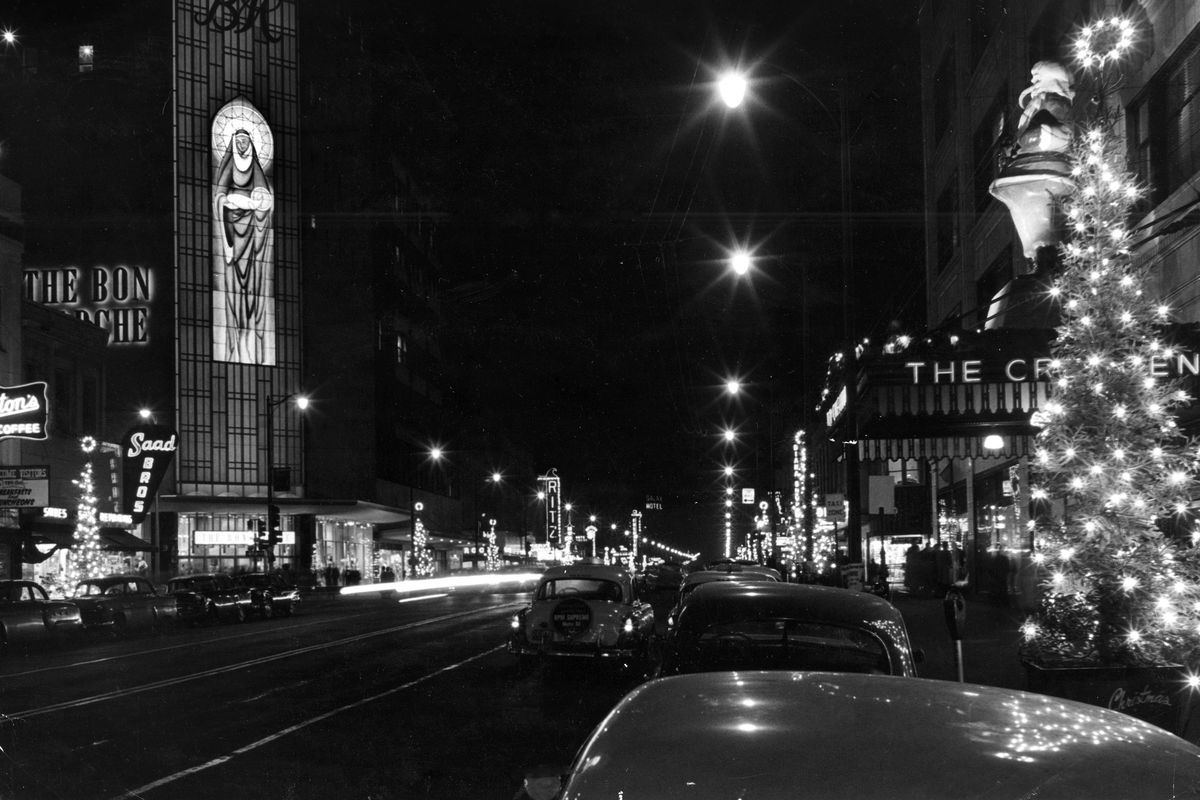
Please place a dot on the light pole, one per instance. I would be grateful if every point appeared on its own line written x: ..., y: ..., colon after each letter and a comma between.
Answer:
x: 433, y: 454
x: 274, y: 533
x: 734, y: 387
x: 739, y: 85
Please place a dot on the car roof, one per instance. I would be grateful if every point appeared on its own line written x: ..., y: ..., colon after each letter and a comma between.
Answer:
x: 599, y: 571
x: 112, y: 579
x: 710, y: 576
x: 735, y: 599
x: 778, y: 734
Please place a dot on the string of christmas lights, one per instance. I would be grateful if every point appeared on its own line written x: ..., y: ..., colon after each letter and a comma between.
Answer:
x: 86, y: 559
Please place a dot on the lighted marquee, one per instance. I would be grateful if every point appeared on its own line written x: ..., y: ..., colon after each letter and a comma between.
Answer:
x: 243, y: 208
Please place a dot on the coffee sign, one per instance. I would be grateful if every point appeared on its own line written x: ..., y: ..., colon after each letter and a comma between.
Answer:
x: 23, y: 411
x: 146, y: 453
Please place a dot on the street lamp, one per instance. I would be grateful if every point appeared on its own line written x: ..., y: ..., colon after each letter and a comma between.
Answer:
x: 740, y: 262
x: 274, y: 532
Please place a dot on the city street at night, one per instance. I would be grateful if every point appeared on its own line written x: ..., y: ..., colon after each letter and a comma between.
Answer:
x: 610, y: 400
x: 349, y: 698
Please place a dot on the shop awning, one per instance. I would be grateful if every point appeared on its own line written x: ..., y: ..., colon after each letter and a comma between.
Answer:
x: 345, y: 510
x: 123, y: 541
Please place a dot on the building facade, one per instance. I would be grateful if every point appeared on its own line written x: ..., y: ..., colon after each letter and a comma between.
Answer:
x: 193, y: 223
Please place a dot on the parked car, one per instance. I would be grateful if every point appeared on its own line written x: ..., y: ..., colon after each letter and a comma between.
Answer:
x: 777, y: 734
x: 211, y: 597
x: 768, y: 625
x: 694, y: 580
x: 29, y: 616
x: 742, y: 565
x: 585, y: 611
x: 124, y: 604
x: 270, y: 594
x: 665, y: 575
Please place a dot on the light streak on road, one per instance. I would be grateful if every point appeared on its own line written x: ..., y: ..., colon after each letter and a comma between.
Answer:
x: 420, y: 597
x: 458, y: 582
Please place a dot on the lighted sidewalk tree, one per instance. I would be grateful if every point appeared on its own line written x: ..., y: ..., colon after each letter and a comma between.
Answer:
x: 86, y: 558
x: 1122, y: 587
x: 422, y: 560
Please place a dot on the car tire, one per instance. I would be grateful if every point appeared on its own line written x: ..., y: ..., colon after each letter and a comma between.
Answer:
x: 120, y: 627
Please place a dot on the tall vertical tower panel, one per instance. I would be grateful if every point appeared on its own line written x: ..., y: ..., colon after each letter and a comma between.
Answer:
x: 237, y: 243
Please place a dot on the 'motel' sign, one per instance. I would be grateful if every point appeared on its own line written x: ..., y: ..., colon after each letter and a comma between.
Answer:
x: 146, y: 452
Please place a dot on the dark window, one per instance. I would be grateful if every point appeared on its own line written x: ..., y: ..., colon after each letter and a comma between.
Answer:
x: 1163, y: 127
x: 89, y: 402
x: 63, y: 411
x: 947, y: 223
x: 943, y: 97
x: 986, y: 146
x: 998, y: 273
x: 1182, y: 116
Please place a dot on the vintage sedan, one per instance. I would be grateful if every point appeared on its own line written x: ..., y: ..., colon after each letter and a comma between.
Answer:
x: 211, y: 597
x: 693, y: 580
x: 585, y: 611
x: 768, y: 625
x: 29, y: 616
x: 124, y: 604
x: 777, y: 734
x: 270, y: 593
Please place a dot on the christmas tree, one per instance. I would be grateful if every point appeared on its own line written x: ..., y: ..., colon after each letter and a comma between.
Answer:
x: 1113, y: 471
x: 86, y: 559
x: 422, y: 562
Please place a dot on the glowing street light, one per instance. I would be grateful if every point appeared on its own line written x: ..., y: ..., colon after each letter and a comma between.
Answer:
x: 732, y: 88
x: 740, y: 262
x: 733, y: 386
x: 10, y: 36
x: 730, y: 434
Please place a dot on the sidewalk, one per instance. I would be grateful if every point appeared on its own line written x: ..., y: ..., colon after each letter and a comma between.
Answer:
x: 989, y: 647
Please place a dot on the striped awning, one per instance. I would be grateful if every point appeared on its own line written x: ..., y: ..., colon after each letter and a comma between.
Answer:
x: 887, y: 449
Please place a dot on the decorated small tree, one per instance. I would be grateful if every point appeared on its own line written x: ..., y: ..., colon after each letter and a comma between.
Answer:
x: 86, y: 559
x: 422, y: 560
x: 1113, y: 473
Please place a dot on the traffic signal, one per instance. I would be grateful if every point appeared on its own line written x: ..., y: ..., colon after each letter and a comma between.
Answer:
x: 274, y: 527
x: 260, y: 533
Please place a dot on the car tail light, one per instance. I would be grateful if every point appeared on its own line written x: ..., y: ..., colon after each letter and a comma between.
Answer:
x: 516, y: 622
x: 628, y: 625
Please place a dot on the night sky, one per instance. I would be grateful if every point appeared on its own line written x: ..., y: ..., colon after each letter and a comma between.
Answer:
x: 594, y: 186
x: 590, y: 187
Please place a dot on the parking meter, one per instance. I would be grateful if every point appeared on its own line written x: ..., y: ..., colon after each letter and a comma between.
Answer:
x: 955, y: 607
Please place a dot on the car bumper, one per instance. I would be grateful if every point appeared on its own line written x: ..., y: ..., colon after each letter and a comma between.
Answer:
x: 550, y: 649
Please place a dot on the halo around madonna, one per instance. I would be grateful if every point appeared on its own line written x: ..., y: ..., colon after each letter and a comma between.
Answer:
x: 240, y: 114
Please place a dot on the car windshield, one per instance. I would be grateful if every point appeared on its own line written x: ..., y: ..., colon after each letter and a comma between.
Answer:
x: 584, y: 588
x: 782, y: 644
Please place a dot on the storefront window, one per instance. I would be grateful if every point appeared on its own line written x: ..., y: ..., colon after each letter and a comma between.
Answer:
x: 344, y: 553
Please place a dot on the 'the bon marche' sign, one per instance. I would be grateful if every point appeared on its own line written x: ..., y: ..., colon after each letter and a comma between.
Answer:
x: 23, y: 411
x: 24, y: 487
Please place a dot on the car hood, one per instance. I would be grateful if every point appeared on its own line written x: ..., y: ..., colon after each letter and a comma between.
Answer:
x: 768, y: 735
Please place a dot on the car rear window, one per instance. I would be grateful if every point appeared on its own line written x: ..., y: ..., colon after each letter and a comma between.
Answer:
x: 583, y: 588
x: 782, y: 644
